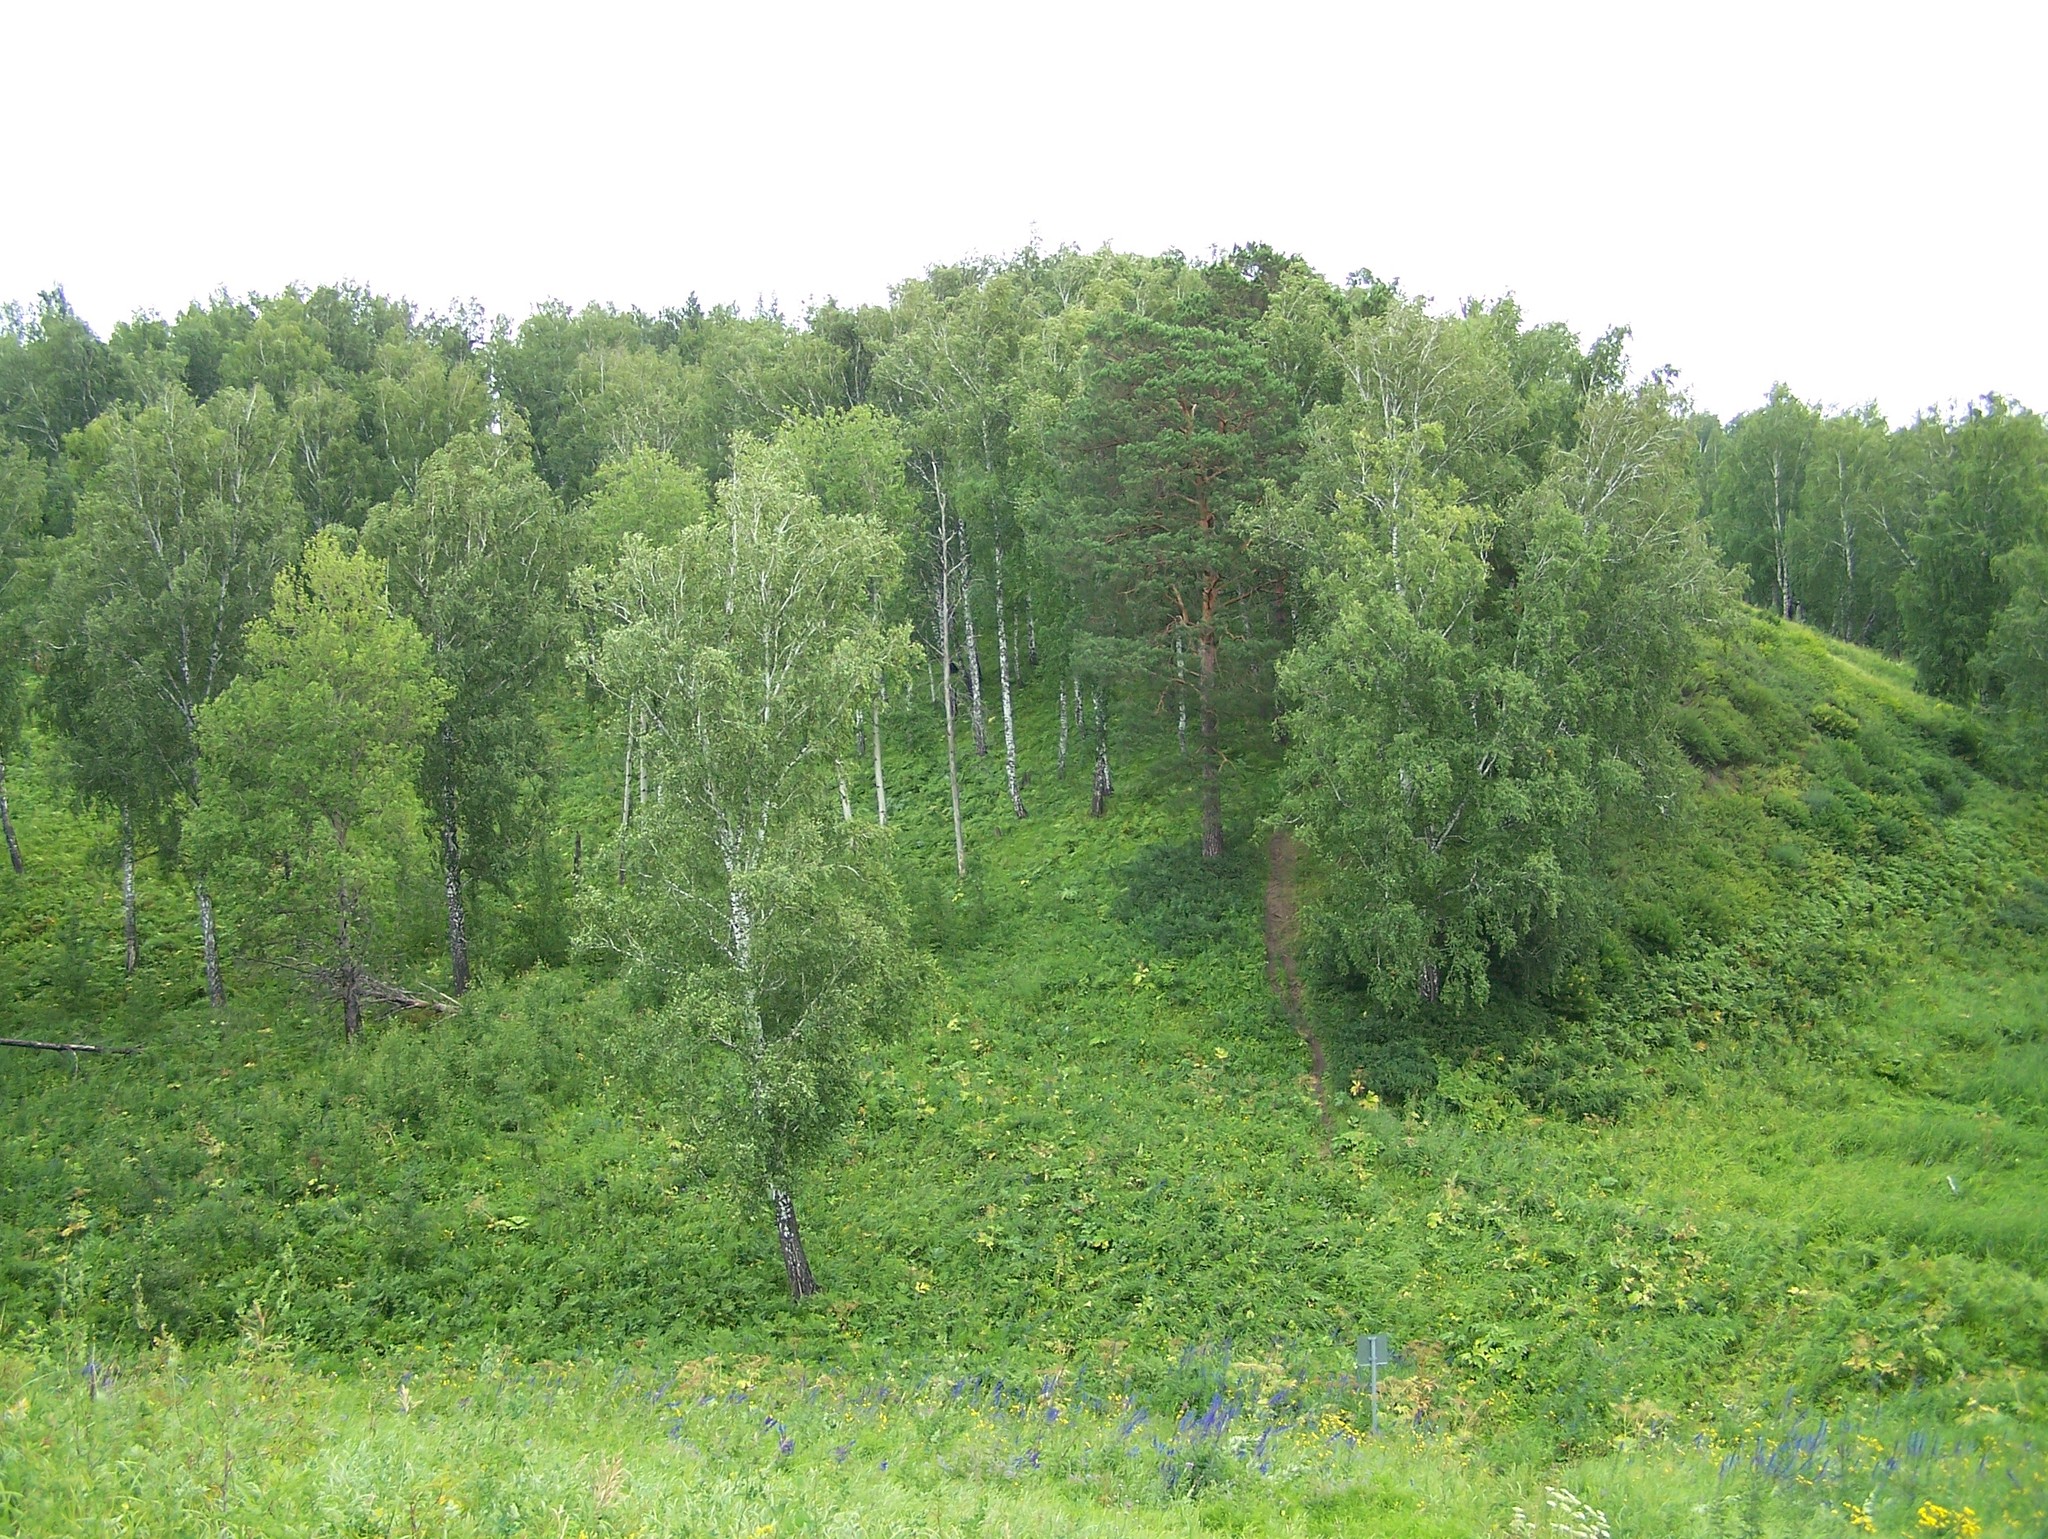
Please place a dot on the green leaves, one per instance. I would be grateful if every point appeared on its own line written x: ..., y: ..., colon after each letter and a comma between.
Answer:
x: 308, y: 762
x: 1482, y: 696
x: 187, y: 514
x: 766, y: 928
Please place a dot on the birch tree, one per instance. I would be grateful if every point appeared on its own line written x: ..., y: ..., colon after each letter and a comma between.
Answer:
x: 479, y: 557
x: 1483, y: 696
x: 187, y: 514
x: 853, y: 463
x: 1758, y: 485
x: 308, y: 816
x: 762, y: 920
x: 954, y: 372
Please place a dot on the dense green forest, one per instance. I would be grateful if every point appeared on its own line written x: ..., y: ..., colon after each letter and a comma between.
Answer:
x: 1048, y: 855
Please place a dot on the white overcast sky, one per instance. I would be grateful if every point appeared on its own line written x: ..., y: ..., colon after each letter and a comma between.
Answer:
x: 1848, y: 197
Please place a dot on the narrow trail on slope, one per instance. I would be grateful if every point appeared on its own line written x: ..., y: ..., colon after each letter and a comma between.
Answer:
x: 1281, y: 974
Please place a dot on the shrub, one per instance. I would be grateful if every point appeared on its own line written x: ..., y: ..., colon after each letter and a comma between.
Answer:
x: 1833, y: 720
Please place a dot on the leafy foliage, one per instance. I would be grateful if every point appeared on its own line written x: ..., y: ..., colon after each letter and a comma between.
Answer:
x: 308, y: 763
x: 768, y: 934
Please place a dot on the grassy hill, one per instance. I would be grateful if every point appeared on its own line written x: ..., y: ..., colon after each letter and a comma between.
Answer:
x: 1777, y: 1154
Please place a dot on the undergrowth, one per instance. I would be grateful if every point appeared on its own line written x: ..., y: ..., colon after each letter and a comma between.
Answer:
x: 1781, y: 1135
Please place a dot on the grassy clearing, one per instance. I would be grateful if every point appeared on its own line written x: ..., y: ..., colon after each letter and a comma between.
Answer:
x: 745, y: 1448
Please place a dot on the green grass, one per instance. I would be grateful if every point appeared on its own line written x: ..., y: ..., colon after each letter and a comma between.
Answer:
x: 740, y: 1447
x: 1783, y: 1136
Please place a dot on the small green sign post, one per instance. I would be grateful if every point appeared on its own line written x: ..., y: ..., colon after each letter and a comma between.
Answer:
x: 1373, y: 1355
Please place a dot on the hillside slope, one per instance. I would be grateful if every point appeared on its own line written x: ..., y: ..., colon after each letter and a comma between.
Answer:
x: 1786, y: 1137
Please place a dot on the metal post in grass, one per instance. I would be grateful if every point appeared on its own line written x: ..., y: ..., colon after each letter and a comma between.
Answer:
x: 1373, y: 1355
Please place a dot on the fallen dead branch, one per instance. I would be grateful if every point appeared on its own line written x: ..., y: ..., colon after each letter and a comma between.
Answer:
x: 65, y: 1047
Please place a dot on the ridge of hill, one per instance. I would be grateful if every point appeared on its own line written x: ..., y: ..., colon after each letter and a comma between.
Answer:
x: 1783, y: 1138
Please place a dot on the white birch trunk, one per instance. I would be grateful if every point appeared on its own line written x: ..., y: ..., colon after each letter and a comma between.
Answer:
x: 7, y: 823
x: 945, y: 618
x: 1003, y: 681
x: 640, y: 737
x: 131, y: 950
x: 881, y: 786
x: 977, y: 715
x: 1099, y: 802
x: 1063, y: 731
x: 209, y: 941
x: 1180, y: 675
x: 626, y: 794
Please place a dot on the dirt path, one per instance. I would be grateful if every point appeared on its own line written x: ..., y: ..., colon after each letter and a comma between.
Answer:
x: 1281, y: 973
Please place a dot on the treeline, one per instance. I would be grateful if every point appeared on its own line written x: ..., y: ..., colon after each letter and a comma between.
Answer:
x: 299, y: 584
x: 1925, y: 541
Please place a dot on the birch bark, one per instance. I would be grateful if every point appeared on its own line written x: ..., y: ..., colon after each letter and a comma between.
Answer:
x: 131, y: 950
x: 7, y: 823
x: 1003, y: 677
x: 977, y: 715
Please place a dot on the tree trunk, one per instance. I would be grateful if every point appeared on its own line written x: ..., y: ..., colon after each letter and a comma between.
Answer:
x: 351, y: 1004
x: 209, y: 942
x: 946, y: 667
x: 640, y: 741
x: 7, y: 823
x: 1180, y: 693
x: 1212, y: 787
x: 977, y: 714
x: 845, y: 795
x: 626, y: 794
x: 1063, y: 730
x: 796, y: 1266
x: 1778, y: 537
x: 1848, y: 551
x: 1100, y: 801
x: 348, y: 976
x: 451, y: 879
x: 1030, y: 632
x: 1003, y: 678
x: 132, y: 952
x: 881, y: 786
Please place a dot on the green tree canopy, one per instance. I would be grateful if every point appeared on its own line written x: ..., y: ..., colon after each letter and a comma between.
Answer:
x: 308, y: 815
x: 479, y: 556
x: 1479, y: 701
x: 1994, y: 500
x: 765, y: 924
x: 1176, y: 425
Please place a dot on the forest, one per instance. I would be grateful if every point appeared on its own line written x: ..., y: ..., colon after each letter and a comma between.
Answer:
x: 516, y: 829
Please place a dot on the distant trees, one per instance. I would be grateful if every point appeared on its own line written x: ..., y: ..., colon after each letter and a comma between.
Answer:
x: 1994, y: 501
x: 55, y: 375
x: 760, y: 918
x: 309, y: 816
x: 21, y: 529
x: 2017, y: 650
x: 1891, y: 539
x: 1450, y: 550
